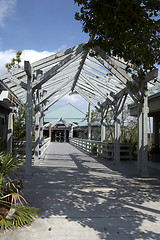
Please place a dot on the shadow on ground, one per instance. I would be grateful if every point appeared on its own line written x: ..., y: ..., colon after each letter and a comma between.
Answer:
x: 95, y: 194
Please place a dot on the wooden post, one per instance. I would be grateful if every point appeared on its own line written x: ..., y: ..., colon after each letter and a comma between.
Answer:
x: 142, y: 164
x: 50, y: 131
x: 89, y: 121
x: 71, y: 132
x: 65, y: 135
x: 117, y: 134
x: 37, y: 128
x: 29, y: 108
x: 41, y: 122
x: 10, y: 132
x: 103, y: 130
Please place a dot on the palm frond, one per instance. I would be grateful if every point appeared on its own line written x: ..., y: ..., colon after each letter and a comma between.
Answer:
x: 23, y: 215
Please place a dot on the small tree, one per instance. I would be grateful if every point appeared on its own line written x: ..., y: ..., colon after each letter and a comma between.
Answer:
x: 128, y: 125
x: 129, y: 29
x: 19, y: 133
x: 20, y: 117
x: 15, y: 62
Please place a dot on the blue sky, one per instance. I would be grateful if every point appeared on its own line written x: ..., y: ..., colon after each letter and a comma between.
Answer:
x: 39, y: 28
x: 42, y: 25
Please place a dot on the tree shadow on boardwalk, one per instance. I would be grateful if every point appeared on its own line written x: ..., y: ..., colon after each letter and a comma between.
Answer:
x: 95, y: 196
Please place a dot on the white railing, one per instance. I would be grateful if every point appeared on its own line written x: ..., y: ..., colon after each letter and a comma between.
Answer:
x: 44, y: 145
x: 19, y: 148
x: 106, y: 150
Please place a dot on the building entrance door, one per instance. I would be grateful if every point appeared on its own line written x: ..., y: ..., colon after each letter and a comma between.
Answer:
x: 59, y: 136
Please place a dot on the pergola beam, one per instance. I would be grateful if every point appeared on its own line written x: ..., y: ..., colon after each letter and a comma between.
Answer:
x: 57, y: 68
x: 63, y: 93
x: 85, y: 53
x: 87, y: 97
x: 59, y: 87
x: 55, y: 58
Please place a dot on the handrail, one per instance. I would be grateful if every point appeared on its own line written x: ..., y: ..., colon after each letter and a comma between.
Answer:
x: 103, y: 149
x: 44, y: 145
x: 20, y: 147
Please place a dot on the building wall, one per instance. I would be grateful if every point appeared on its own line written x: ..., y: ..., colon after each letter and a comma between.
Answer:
x: 3, y: 126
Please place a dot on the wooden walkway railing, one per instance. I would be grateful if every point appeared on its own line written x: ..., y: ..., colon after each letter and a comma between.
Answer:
x: 106, y: 150
x: 19, y: 148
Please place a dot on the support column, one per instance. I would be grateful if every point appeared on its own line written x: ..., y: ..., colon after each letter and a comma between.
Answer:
x: 71, y: 132
x: 117, y: 134
x: 103, y: 133
x: 29, y: 108
x: 142, y: 164
x: 50, y: 131
x: 41, y: 121
x: 10, y: 133
x: 103, y: 130
x: 37, y: 128
x: 64, y: 135
x: 89, y: 121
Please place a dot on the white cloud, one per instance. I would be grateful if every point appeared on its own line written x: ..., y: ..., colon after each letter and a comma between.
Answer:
x: 27, y: 55
x: 32, y: 55
x: 7, y: 7
x: 5, y: 57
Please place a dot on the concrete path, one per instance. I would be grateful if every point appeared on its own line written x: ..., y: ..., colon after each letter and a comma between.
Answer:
x: 82, y: 198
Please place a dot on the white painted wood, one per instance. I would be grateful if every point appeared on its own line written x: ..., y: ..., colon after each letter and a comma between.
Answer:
x: 60, y: 95
x: 53, y: 59
x: 37, y: 127
x: 71, y: 133
x: 29, y: 109
x: 122, y: 77
x: 86, y: 97
x: 55, y: 90
x: 10, y: 133
x: 58, y: 67
x: 117, y: 134
x: 41, y: 121
x: 89, y: 120
x: 142, y: 164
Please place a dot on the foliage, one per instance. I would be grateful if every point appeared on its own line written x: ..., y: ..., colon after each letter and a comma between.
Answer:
x: 94, y: 149
x: 124, y: 29
x: 128, y: 125
x: 20, y: 117
x: 7, y: 166
x: 14, y: 209
x: 15, y: 62
x: 19, y: 133
x: 22, y: 216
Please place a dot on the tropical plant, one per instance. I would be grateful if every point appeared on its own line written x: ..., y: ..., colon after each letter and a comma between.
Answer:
x: 14, y: 209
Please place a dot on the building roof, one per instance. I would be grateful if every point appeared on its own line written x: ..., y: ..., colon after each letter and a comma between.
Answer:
x: 67, y: 112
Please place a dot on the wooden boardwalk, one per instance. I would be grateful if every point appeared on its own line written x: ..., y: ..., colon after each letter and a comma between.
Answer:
x: 82, y: 198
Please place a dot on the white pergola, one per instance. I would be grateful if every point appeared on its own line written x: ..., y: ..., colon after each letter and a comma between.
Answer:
x: 101, y: 80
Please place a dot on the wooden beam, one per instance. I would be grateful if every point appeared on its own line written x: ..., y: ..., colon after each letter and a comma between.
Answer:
x: 28, y: 68
x: 85, y: 53
x: 57, y: 68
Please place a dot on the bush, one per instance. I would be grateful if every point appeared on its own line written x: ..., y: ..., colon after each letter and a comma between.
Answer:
x: 14, y: 209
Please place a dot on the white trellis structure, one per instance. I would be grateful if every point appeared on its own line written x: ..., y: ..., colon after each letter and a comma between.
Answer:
x: 101, y: 80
